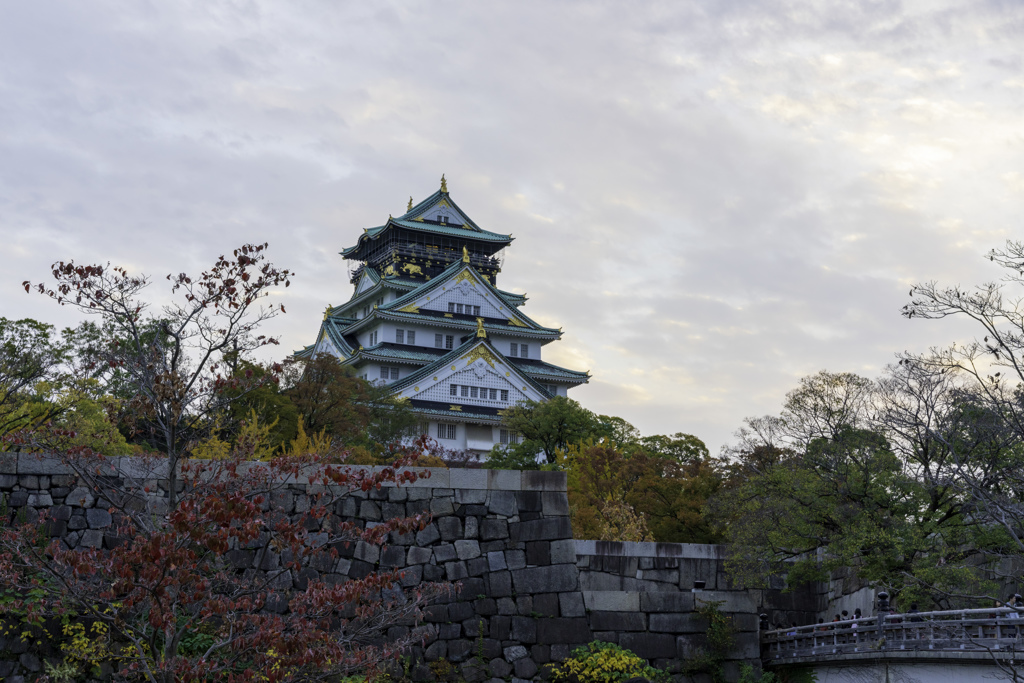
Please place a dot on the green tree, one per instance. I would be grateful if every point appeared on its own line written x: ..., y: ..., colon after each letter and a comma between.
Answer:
x: 548, y: 427
x: 30, y: 356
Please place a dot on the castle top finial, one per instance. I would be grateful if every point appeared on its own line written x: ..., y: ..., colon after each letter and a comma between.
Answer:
x: 327, y: 311
x: 444, y: 184
x: 409, y: 208
x: 480, y: 331
x: 465, y: 254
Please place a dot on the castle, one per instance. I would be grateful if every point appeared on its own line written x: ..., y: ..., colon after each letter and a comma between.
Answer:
x: 427, y: 319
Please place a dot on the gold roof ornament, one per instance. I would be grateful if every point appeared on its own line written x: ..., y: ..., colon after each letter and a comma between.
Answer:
x: 480, y: 331
x: 465, y: 254
x: 409, y: 208
x: 444, y: 184
x: 327, y: 311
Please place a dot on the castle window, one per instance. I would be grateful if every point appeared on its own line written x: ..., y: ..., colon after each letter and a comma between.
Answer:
x: 446, y: 431
x: 504, y: 395
x: 454, y: 389
x: 449, y: 341
x: 508, y: 436
x: 524, y: 351
x: 410, y: 338
x: 438, y: 341
x: 465, y: 392
x: 458, y: 308
x: 514, y: 350
x: 476, y: 310
x: 394, y: 373
x: 399, y: 336
x: 473, y: 392
x: 451, y: 308
x: 494, y: 394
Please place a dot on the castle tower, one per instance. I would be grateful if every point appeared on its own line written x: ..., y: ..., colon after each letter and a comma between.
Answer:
x: 426, y: 318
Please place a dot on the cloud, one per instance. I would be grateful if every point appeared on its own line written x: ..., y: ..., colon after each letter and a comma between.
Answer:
x: 712, y: 200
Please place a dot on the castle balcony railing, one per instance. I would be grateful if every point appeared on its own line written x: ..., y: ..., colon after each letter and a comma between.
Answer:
x: 981, y: 631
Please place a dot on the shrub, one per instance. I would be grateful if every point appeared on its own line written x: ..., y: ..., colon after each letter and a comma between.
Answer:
x: 599, y: 662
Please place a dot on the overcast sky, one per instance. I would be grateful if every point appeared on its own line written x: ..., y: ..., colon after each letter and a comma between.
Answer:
x: 713, y: 199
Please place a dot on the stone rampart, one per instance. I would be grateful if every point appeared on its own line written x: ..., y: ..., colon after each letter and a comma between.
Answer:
x: 530, y: 592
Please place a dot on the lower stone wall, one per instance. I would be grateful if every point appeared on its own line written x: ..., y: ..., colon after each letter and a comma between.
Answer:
x: 529, y: 594
x: 645, y: 597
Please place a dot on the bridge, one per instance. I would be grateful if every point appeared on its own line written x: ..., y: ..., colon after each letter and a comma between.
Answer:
x: 953, y: 645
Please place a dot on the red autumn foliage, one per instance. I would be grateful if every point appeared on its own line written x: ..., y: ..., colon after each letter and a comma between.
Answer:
x: 222, y: 561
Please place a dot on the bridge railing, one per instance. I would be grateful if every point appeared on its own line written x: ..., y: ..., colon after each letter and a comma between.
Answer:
x: 993, y: 629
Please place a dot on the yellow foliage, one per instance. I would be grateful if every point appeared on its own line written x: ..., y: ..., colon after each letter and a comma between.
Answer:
x: 303, y: 444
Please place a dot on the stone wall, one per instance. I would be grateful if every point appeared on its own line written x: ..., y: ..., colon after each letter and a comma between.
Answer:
x: 529, y: 592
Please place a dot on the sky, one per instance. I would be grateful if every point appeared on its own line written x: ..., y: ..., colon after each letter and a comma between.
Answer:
x: 712, y: 199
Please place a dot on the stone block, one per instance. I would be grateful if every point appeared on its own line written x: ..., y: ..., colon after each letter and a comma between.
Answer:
x: 618, y: 621
x: 418, y: 555
x: 460, y: 650
x: 543, y: 481
x: 464, y: 496
x: 732, y: 601
x: 524, y: 629
x: 92, y: 538
x: 460, y: 611
x: 412, y: 576
x: 559, y: 653
x: 500, y: 668
x: 367, y: 552
x: 493, y: 529
x: 515, y: 653
x: 666, y: 602
x: 564, y: 630
x: 29, y: 481
x: 467, y: 550
x: 528, y: 501
x: 544, y: 529
x: 8, y: 463
x: 502, y: 503
x: 506, y: 605
x: 98, y: 519
x: 436, y: 650
x: 496, y: 561
x: 472, y: 529
x: 41, y: 500
x: 80, y: 497
x: 462, y: 478
x: 571, y: 604
x: 141, y: 469
x: 538, y: 553
x: 501, y: 627
x: 612, y: 601
x: 32, y: 463
x: 8, y: 481
x: 17, y: 499
x: 504, y: 480
x: 546, y: 604
x: 525, y: 668
x: 398, y: 494
x: 369, y: 510
x: 477, y: 566
x: 650, y: 645
x: 440, y: 507
x: 554, y: 579
x: 747, y: 646
x: 429, y: 534
x: 450, y: 528
x: 515, y: 559
x: 563, y: 552
x: 554, y: 504
x: 499, y: 584
x: 392, y: 556
x: 454, y: 571
x: 663, y: 575
x: 678, y: 623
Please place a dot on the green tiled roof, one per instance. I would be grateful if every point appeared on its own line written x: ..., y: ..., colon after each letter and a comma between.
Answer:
x: 396, y: 353
x: 450, y: 272
x: 408, y: 220
x: 541, y: 369
x: 456, y: 354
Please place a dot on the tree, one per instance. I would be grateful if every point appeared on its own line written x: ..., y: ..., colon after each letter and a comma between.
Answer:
x: 548, y: 427
x: 221, y: 584
x: 329, y: 397
x: 170, y: 366
x: 29, y: 356
x: 643, y: 495
x: 847, y: 476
